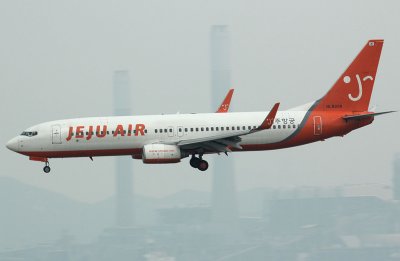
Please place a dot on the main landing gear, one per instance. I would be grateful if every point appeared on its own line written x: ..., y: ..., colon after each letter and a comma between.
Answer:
x: 198, y: 163
x: 47, y: 168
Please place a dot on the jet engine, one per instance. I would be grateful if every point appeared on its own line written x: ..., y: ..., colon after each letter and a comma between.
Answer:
x: 161, y: 153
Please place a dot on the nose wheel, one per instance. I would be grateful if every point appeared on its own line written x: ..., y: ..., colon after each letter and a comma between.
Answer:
x: 47, y: 168
x: 198, y: 163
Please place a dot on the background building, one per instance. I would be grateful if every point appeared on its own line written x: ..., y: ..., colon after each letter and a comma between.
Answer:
x: 396, y: 177
x: 224, y: 204
x: 123, y: 165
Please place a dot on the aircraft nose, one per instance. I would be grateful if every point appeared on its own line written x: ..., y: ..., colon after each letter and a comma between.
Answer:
x: 12, y: 144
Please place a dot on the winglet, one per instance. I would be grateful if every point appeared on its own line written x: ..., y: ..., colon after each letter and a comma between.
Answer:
x: 269, y: 120
x: 224, y: 107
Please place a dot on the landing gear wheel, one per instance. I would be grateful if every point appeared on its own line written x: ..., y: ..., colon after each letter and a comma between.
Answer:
x: 194, y: 162
x: 46, y: 169
x: 203, y: 165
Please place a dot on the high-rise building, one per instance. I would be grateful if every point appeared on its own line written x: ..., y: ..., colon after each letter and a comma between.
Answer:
x: 224, y: 204
x: 396, y: 177
x: 124, y: 168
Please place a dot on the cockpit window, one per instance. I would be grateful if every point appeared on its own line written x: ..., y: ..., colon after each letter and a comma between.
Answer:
x: 29, y: 133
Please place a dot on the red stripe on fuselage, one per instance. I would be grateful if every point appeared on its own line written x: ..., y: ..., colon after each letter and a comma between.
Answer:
x: 332, y: 125
x: 82, y: 153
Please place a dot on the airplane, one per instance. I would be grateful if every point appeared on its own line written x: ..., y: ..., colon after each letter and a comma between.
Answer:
x: 159, y: 139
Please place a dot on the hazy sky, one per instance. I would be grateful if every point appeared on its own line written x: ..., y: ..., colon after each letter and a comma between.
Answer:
x: 57, y: 60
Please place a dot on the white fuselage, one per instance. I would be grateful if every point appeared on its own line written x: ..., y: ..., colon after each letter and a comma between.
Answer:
x: 55, y: 136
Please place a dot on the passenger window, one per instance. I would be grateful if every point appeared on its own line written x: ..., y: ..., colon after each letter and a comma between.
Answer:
x: 165, y: 130
x: 222, y: 128
x: 155, y: 131
x: 202, y: 129
x: 233, y: 127
x: 249, y: 127
x: 197, y: 129
x: 180, y: 129
x: 227, y: 128
x: 186, y: 129
x: 274, y: 127
x: 212, y: 128
x: 191, y: 129
x: 284, y: 126
x: 216, y: 128
x: 207, y: 129
x: 289, y: 126
x: 279, y: 126
x: 145, y: 130
x: 112, y: 132
x: 170, y: 130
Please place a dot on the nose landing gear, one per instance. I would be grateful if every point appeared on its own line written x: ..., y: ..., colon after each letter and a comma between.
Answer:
x: 198, y: 163
x: 47, y: 168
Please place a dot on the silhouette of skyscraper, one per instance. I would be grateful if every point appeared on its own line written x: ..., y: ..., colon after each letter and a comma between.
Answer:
x: 124, y: 170
x: 224, y: 205
x: 396, y: 177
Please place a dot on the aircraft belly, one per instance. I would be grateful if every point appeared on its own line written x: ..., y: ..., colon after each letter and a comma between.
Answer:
x: 266, y: 137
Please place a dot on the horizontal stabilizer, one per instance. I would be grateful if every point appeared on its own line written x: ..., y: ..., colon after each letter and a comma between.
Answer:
x: 365, y: 115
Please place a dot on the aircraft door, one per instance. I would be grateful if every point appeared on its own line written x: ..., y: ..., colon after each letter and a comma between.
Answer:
x: 317, y: 125
x: 56, y: 134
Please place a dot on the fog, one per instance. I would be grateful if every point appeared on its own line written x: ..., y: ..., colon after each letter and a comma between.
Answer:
x: 57, y: 60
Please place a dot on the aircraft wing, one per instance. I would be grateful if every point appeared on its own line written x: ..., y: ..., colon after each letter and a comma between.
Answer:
x: 224, y: 107
x: 224, y: 142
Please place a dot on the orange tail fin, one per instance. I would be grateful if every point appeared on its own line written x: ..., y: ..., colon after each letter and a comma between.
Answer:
x: 352, y: 91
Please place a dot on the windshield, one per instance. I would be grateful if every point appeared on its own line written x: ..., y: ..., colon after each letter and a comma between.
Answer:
x: 29, y: 133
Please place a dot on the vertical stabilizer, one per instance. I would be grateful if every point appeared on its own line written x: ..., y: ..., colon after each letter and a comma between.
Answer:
x: 352, y: 91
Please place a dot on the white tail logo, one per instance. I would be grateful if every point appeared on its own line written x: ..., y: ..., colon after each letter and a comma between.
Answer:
x: 347, y: 79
